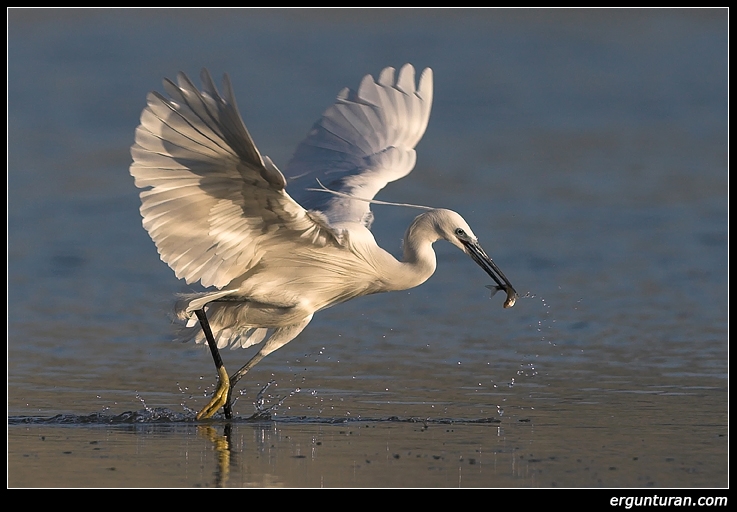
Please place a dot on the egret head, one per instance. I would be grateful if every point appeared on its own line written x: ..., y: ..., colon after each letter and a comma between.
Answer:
x: 453, y: 228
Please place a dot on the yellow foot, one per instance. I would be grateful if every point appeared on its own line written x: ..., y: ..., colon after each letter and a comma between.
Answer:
x: 219, y: 398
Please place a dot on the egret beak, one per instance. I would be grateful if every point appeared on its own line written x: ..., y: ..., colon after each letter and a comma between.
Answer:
x: 482, y: 259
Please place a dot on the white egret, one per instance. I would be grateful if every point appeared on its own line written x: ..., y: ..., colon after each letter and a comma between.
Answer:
x: 219, y: 213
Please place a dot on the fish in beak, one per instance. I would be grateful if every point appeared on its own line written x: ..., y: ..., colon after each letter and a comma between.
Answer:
x: 502, y: 283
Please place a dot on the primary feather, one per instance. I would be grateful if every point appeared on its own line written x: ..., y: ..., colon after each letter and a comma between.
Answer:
x: 213, y: 206
x: 361, y: 143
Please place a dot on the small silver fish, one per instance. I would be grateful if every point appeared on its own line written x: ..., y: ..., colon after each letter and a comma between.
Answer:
x: 511, y: 294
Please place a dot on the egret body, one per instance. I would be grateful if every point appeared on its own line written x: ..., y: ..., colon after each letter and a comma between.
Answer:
x: 219, y: 213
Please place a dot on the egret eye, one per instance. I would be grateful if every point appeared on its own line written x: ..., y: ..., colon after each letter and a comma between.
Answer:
x: 460, y: 232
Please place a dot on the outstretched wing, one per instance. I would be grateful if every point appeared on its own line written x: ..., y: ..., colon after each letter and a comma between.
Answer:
x: 363, y: 141
x: 213, y: 205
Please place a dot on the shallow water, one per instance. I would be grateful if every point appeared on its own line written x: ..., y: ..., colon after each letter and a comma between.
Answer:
x: 588, y: 150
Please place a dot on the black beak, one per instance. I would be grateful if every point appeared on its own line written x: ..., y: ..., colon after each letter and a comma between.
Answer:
x: 480, y: 257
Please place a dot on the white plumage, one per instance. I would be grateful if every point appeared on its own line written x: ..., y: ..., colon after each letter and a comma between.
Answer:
x: 220, y: 214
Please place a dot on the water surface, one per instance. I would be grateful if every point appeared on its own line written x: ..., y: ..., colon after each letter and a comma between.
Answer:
x: 588, y: 150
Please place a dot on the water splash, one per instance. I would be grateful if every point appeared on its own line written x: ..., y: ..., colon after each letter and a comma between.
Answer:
x: 264, y: 412
x: 163, y: 416
x: 148, y: 415
x: 527, y: 370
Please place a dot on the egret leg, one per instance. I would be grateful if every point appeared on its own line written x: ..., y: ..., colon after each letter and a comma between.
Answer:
x: 281, y: 337
x: 221, y: 397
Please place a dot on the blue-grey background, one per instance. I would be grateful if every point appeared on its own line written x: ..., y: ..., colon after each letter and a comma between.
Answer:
x: 587, y: 149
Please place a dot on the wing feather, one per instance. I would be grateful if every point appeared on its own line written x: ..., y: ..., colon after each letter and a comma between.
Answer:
x: 365, y: 140
x: 212, y: 204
